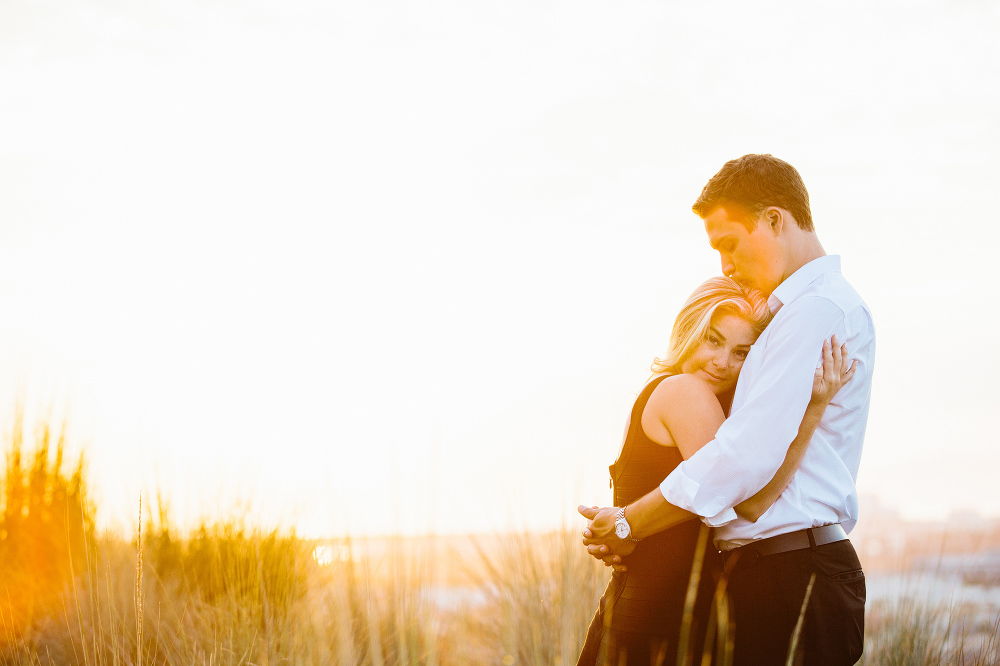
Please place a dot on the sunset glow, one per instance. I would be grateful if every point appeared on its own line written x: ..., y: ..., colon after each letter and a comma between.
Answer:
x: 377, y: 268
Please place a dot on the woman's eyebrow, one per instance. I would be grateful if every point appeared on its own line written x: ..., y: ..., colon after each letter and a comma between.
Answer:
x: 716, y: 333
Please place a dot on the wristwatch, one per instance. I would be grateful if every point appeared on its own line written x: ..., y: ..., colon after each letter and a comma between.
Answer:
x: 622, y: 529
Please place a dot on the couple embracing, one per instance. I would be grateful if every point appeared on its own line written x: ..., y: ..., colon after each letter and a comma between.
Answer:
x: 753, y: 423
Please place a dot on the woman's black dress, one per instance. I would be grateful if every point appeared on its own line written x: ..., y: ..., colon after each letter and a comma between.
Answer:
x: 641, y: 612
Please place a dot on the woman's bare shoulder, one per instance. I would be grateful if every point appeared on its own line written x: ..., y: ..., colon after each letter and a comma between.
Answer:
x: 685, y: 388
x: 686, y: 411
x: 678, y: 398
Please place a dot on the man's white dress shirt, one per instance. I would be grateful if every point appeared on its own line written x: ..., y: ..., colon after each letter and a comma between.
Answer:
x: 773, y: 391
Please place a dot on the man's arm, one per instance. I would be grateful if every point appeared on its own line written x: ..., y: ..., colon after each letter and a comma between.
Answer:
x: 748, y: 449
x: 752, y: 444
x: 652, y: 513
x: 648, y: 515
x: 754, y: 507
x: 828, y: 380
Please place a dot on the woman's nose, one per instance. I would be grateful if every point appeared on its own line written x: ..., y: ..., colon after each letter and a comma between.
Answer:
x: 721, y: 359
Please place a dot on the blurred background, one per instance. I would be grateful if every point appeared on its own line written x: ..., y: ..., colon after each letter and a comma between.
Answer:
x: 379, y: 267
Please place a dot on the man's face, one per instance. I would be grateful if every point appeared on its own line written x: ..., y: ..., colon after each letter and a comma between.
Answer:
x: 752, y: 258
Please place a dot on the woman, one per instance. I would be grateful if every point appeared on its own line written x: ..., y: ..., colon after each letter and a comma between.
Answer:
x: 641, y: 614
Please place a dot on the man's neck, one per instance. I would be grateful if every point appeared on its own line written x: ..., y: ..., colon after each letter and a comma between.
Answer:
x: 804, y: 248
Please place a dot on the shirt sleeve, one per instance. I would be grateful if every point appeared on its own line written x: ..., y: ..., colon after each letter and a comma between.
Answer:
x: 751, y: 444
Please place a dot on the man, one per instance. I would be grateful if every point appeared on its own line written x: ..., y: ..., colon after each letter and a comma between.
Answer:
x: 756, y: 213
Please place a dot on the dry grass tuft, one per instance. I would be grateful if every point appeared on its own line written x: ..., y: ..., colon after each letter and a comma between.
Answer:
x: 46, y: 524
x: 230, y: 594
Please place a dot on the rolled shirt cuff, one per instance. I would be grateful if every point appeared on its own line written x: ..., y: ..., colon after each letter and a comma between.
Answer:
x: 722, y: 518
x: 682, y: 491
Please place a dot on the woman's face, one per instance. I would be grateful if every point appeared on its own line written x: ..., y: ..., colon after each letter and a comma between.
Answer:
x: 720, y: 355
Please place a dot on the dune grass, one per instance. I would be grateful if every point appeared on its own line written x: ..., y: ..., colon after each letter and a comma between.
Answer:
x: 230, y: 594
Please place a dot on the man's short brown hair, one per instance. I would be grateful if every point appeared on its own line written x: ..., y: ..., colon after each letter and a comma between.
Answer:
x: 749, y: 184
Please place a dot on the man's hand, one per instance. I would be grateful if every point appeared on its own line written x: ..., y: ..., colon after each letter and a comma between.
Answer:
x: 600, y: 538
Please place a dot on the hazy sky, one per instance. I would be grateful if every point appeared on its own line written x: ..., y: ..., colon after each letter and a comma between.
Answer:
x: 403, y: 266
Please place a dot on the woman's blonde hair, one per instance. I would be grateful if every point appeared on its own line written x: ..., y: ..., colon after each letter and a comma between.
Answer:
x: 717, y: 295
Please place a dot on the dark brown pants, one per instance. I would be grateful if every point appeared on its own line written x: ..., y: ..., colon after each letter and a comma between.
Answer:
x: 767, y: 593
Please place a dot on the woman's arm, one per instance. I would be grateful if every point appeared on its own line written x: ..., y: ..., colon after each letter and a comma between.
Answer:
x: 826, y: 383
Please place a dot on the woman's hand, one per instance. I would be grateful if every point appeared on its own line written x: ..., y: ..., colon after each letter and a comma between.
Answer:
x: 834, y: 372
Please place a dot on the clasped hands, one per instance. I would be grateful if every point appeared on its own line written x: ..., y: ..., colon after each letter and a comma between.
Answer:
x: 600, y: 539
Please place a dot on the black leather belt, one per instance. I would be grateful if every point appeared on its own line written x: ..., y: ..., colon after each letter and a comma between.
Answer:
x: 783, y: 543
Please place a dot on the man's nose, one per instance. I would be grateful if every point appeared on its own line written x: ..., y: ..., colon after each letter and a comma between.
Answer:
x: 727, y: 267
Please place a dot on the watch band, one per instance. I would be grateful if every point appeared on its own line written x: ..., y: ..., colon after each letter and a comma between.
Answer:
x: 620, y: 517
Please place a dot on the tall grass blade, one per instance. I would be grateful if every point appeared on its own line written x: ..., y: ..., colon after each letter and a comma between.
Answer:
x: 138, y: 588
x: 794, y: 643
x: 694, y: 580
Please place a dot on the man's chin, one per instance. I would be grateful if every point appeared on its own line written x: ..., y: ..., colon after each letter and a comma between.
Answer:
x: 743, y: 282
x: 765, y: 289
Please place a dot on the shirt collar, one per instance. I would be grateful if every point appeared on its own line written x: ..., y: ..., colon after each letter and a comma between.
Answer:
x: 796, y: 283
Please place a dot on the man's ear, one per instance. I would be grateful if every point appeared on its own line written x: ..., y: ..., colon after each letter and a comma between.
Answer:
x: 775, y: 219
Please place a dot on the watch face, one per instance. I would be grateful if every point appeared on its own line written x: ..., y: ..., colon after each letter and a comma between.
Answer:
x: 622, y: 530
